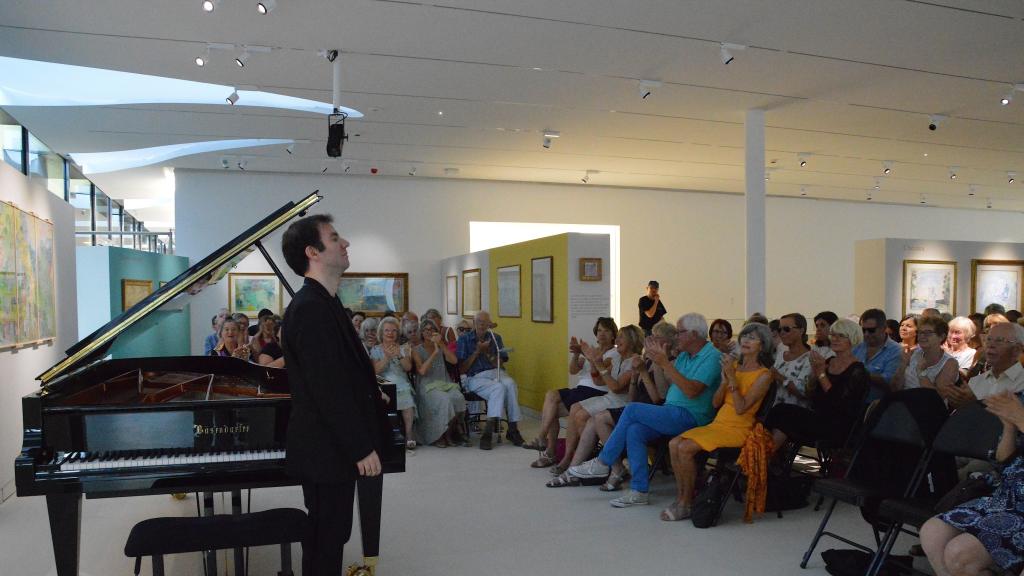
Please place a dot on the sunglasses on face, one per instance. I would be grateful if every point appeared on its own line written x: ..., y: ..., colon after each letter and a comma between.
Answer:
x: 787, y: 329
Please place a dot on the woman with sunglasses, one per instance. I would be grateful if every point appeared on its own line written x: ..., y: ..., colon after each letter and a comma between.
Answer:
x: 439, y: 399
x: 836, y: 392
x: 792, y: 370
x: 929, y: 366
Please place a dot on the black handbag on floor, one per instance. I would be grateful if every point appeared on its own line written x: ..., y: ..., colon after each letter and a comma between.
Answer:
x: 707, y: 505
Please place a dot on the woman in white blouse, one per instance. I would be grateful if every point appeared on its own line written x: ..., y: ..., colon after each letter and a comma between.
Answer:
x: 792, y: 370
x: 928, y: 366
x: 961, y: 330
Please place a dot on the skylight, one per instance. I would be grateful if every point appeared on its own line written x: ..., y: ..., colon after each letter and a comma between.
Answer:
x: 98, y: 162
x: 37, y: 83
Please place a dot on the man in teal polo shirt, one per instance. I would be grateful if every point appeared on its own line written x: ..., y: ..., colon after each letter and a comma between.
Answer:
x: 695, y: 377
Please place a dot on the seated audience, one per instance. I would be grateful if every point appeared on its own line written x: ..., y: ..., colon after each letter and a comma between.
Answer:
x: 892, y: 329
x: 357, y: 320
x: 836, y: 395
x: 757, y: 317
x: 995, y: 308
x: 271, y: 354
x: 629, y: 345
x: 980, y: 360
x: 1004, y: 343
x: 744, y: 384
x: 931, y: 313
x: 211, y: 339
x: 267, y: 333
x: 441, y: 404
x: 695, y: 377
x: 979, y: 325
x: 255, y: 328
x: 792, y: 370
x: 232, y: 341
x: 393, y: 362
x: 411, y: 333
x: 721, y: 337
x: 908, y: 332
x: 1013, y: 315
x: 822, y: 322
x: 368, y: 333
x: 448, y: 335
x: 961, y: 330
x: 984, y: 536
x: 242, y: 321
x: 880, y: 355
x: 773, y: 326
x: 929, y: 366
x: 479, y: 352
x: 558, y: 402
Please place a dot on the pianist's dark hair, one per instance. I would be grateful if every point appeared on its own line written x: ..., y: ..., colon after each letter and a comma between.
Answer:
x: 302, y: 233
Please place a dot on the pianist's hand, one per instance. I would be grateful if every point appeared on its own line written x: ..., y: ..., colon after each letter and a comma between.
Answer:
x: 369, y: 466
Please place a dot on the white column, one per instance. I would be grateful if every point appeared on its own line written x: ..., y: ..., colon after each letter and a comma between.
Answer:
x: 755, y: 212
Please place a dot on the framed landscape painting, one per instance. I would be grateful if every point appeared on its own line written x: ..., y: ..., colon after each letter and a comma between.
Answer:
x: 134, y: 291
x: 543, y: 284
x: 996, y: 282
x: 509, y: 291
x: 249, y: 293
x: 470, y: 292
x: 374, y: 293
x: 929, y: 284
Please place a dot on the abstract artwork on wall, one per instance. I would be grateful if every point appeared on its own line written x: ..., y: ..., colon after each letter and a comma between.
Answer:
x: 252, y: 292
x: 8, y: 279
x: 27, y: 282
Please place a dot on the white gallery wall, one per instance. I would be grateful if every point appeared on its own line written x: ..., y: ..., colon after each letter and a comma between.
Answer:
x: 21, y: 366
x: 692, y: 242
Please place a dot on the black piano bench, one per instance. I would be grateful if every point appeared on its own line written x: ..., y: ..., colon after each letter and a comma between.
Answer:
x: 159, y: 536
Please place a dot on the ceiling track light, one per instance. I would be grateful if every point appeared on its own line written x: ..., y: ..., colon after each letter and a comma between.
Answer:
x: 878, y: 185
x: 988, y: 203
x: 242, y: 58
x: 587, y: 175
x: 242, y: 164
x: 1005, y: 100
x: 549, y: 137
x: 203, y: 58
x: 266, y: 6
x: 935, y: 120
x: 232, y: 98
x: 647, y: 87
x: 802, y: 158
x: 952, y: 173
x: 725, y: 51
x: 412, y: 171
x: 1011, y: 177
x: 803, y: 190
x: 923, y: 200
x: 887, y: 167
x: 209, y: 5
x: 224, y: 162
x: 971, y: 190
x: 290, y: 148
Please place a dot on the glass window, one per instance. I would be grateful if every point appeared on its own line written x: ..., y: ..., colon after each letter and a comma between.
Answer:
x: 117, y: 212
x: 80, y: 201
x: 102, y: 207
x: 10, y: 140
x: 46, y: 166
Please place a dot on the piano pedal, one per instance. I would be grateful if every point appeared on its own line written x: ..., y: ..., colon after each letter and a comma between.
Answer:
x: 357, y: 570
x: 179, y: 495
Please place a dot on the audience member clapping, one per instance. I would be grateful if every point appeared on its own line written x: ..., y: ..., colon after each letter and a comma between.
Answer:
x: 822, y: 322
x: 267, y: 333
x: 368, y: 333
x: 393, y: 362
x: 908, y: 333
x: 271, y: 354
x: 721, y: 337
x: 880, y: 355
x: 961, y: 331
x: 441, y: 404
x: 929, y: 366
x: 792, y: 370
x: 232, y: 341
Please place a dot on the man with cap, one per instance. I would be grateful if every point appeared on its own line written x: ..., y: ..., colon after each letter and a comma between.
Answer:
x: 651, y: 308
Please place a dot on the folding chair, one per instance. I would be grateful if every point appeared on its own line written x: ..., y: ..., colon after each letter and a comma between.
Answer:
x: 909, y: 418
x: 970, y: 432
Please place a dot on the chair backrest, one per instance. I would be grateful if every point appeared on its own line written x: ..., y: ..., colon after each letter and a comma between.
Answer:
x: 971, y: 432
x: 912, y: 417
x: 767, y: 402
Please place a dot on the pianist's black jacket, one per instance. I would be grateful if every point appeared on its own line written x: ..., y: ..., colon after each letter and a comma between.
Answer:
x: 333, y: 386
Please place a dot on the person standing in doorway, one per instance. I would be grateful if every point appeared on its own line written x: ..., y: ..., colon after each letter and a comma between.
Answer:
x: 651, y: 308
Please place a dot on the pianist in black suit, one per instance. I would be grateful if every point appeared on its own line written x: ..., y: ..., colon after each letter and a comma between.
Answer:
x: 331, y: 439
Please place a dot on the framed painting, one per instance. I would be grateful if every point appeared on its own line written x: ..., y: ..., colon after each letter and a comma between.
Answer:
x: 251, y: 292
x: 8, y: 277
x: 471, y: 292
x: 543, y: 284
x: 996, y: 282
x: 590, y: 270
x: 509, y: 292
x: 929, y: 284
x: 134, y: 291
x: 375, y: 293
x: 451, y: 294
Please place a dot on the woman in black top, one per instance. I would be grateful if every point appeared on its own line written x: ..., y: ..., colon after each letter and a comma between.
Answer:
x: 836, y: 393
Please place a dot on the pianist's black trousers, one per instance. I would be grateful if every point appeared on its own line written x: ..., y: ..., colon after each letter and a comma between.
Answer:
x: 330, y: 526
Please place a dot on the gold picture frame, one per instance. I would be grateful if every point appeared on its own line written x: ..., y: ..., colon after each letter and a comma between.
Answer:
x: 542, y: 296
x: 996, y: 281
x: 250, y: 292
x: 374, y: 293
x: 929, y: 284
x: 590, y: 270
x: 510, y: 291
x: 471, y: 304
x: 134, y: 291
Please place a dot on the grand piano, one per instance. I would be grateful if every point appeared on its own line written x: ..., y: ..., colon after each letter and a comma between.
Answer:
x: 102, y: 425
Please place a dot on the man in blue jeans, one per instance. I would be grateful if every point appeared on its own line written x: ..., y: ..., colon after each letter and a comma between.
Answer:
x: 695, y: 378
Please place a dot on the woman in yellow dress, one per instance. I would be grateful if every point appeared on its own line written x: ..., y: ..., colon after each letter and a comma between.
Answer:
x: 744, y: 384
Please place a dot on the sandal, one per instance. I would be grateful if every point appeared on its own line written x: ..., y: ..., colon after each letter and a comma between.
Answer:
x: 557, y: 470
x: 410, y: 445
x: 675, y: 512
x: 614, y: 481
x: 563, y: 480
x: 544, y: 461
x: 535, y: 444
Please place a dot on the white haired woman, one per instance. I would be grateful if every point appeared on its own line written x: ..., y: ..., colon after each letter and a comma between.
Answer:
x: 961, y: 330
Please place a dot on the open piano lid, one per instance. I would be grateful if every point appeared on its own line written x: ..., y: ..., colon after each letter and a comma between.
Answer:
x: 172, y: 297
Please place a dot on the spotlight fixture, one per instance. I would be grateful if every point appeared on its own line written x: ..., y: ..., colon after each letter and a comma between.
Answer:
x: 868, y: 196
x: 952, y: 173
x: 803, y: 190
x: 934, y: 120
x: 347, y: 168
x: 242, y: 58
x: 1005, y: 100
x: 549, y: 136
x: 323, y: 166
x: 971, y: 190
x: 203, y: 58
x: 412, y: 171
x: 887, y: 167
x: 878, y: 186
x: 290, y: 148
x: 232, y: 98
x: 988, y: 203
x: 224, y: 162
x: 647, y: 87
x: 336, y: 136
x: 923, y: 200
x: 1011, y: 177
x: 587, y: 175
x: 266, y: 6
x: 209, y: 5
x: 802, y: 157
x: 242, y: 164
x: 726, y: 49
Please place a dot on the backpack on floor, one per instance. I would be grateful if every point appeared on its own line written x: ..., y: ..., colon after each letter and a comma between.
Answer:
x: 707, y: 505
x: 787, y: 492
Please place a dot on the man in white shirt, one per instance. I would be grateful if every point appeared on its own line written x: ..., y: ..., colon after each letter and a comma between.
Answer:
x: 1002, y: 350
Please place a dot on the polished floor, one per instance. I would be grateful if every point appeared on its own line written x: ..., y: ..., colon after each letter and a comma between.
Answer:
x: 461, y: 511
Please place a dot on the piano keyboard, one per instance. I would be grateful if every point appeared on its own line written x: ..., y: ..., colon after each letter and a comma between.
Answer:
x: 80, y: 461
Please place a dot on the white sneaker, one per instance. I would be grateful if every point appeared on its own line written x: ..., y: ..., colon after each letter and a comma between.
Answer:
x: 631, y: 498
x: 592, y: 468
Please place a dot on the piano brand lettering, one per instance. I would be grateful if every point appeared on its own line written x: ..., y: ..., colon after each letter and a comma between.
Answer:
x: 201, y: 430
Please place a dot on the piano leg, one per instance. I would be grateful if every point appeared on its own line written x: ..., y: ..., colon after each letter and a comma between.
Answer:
x: 65, y: 512
x: 370, y: 497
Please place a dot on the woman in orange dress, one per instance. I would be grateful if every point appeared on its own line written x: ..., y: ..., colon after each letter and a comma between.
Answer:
x: 744, y: 384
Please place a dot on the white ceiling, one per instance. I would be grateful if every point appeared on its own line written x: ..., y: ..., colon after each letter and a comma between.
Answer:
x: 851, y: 83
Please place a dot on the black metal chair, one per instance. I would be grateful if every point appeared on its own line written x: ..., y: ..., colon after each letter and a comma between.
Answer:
x: 970, y: 432
x: 909, y: 418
